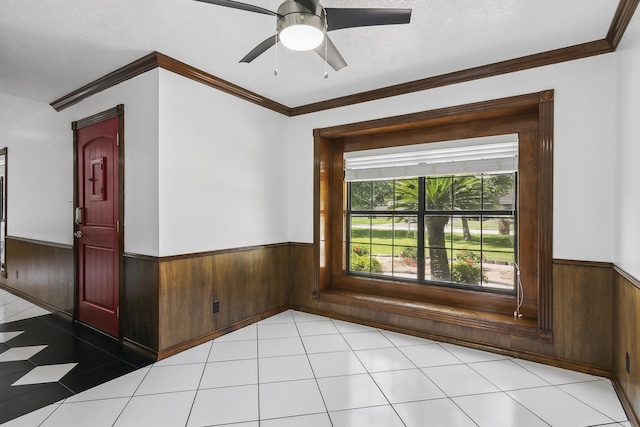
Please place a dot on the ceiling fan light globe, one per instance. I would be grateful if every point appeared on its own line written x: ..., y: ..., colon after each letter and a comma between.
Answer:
x: 301, y: 37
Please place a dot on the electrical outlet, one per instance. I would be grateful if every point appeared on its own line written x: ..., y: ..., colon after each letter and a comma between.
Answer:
x: 216, y: 306
x: 628, y: 363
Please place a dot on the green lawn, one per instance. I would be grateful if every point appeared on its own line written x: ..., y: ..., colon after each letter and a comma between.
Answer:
x: 491, y: 224
x: 495, y: 247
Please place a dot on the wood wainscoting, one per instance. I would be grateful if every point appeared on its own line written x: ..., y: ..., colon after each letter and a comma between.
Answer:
x: 41, y: 272
x: 626, y: 340
x: 582, y: 316
x: 169, y: 300
x: 168, y: 305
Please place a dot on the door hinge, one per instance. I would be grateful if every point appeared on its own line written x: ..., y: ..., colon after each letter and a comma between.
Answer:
x: 118, y: 226
x: 117, y: 139
x: 118, y: 312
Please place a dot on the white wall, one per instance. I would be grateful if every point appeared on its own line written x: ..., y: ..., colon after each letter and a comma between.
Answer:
x: 223, y: 170
x: 40, y: 164
x: 583, y: 155
x: 205, y: 170
x: 627, y: 218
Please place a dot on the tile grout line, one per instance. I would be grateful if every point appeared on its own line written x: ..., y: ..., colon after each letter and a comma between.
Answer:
x: 258, y: 371
x: 130, y: 397
x: 195, y: 396
x: 505, y: 391
x: 315, y: 378
x: 369, y: 373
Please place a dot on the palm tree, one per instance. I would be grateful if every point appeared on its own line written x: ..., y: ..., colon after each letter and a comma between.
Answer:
x: 440, y: 195
x: 447, y: 194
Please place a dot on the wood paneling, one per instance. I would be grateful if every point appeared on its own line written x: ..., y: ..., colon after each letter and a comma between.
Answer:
x: 43, y: 271
x: 582, y: 298
x: 247, y: 283
x: 139, y: 313
x: 626, y: 339
x: 168, y: 305
x: 531, y: 117
x: 582, y: 314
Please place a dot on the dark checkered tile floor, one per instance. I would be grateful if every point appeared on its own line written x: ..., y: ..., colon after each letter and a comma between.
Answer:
x: 45, y: 358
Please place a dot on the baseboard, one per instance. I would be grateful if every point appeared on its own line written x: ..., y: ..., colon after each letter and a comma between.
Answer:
x: 37, y: 302
x: 547, y: 360
x: 626, y: 404
x: 168, y: 352
x: 140, y: 349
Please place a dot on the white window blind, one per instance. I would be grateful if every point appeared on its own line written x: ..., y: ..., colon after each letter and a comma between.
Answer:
x: 463, y: 156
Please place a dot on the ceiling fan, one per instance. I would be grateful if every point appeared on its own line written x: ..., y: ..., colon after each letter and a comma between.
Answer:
x: 303, y: 25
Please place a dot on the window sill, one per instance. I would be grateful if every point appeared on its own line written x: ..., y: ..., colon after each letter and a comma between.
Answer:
x: 498, y: 323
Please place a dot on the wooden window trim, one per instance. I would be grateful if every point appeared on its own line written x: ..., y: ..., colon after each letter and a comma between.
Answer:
x: 531, y: 117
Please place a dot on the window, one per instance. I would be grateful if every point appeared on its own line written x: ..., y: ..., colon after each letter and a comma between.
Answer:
x: 455, y: 230
x: 452, y: 227
x: 374, y: 216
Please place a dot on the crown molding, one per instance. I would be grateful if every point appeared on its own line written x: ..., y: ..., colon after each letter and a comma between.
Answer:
x: 571, y: 53
x: 142, y: 65
x: 158, y: 60
x: 620, y: 21
x: 210, y: 80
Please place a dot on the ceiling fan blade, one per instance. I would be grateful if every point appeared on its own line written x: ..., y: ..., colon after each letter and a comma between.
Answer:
x: 260, y: 49
x: 338, y: 18
x: 310, y: 5
x: 334, y: 58
x: 237, y: 5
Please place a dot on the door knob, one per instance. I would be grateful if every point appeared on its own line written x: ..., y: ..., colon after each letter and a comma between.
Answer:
x: 78, y: 234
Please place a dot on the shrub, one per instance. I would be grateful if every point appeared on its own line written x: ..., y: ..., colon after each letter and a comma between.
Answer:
x: 467, y: 268
x: 361, y: 261
x: 360, y: 250
x: 410, y: 254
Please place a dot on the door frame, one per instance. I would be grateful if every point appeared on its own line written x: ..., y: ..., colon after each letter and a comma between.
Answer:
x: 117, y: 111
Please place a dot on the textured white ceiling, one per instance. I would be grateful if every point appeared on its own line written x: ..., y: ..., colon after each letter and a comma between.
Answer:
x: 48, y: 48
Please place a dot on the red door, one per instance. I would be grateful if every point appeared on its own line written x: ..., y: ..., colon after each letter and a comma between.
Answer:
x: 97, y: 226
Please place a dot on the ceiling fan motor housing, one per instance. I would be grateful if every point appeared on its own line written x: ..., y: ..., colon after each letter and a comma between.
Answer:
x: 292, y: 14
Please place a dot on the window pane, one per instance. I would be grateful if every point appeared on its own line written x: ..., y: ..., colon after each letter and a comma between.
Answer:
x: 437, y: 192
x: 382, y: 195
x: 436, y: 253
x: 500, y: 271
x: 406, y: 194
x: 405, y: 249
x: 498, y: 236
x: 498, y: 245
x: 466, y: 232
x: 360, y: 229
x: 361, y: 196
x: 499, y: 192
x: 467, y: 193
x: 467, y: 267
x: 405, y: 264
x: 437, y: 264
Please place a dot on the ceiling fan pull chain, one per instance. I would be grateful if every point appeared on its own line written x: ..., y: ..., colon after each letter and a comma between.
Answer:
x: 275, y: 71
x: 326, y: 56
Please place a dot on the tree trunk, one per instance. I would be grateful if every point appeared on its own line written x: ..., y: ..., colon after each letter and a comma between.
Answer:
x: 465, y: 228
x: 439, y: 264
x: 504, y: 226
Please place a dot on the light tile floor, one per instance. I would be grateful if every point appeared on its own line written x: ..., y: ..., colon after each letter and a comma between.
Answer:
x: 298, y: 369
